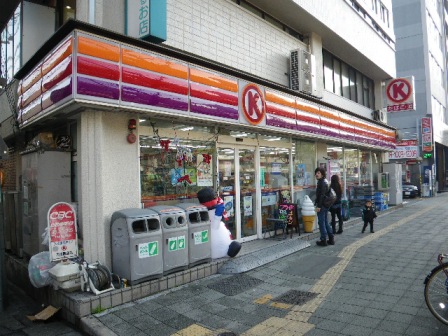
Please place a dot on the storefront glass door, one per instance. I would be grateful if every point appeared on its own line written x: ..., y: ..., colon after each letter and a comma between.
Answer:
x: 237, y: 187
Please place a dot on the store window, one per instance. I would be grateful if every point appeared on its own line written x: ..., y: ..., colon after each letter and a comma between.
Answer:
x: 351, y: 158
x: 175, y: 162
x: 274, y: 168
x: 304, y: 163
x: 365, y: 168
x: 65, y: 10
x: 335, y: 157
x: 376, y: 167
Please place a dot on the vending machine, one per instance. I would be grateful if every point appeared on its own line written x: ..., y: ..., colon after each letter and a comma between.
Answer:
x: 45, y: 181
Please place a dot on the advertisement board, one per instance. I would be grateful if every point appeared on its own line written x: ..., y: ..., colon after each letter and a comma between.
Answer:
x: 63, y: 239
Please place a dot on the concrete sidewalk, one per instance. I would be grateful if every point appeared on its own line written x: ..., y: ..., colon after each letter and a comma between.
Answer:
x: 290, y: 296
x: 241, y: 303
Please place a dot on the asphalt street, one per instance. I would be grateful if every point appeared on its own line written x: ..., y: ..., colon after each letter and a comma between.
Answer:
x: 366, y: 284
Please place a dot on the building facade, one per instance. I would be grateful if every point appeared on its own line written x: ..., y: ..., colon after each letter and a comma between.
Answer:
x: 420, y: 29
x: 245, y: 97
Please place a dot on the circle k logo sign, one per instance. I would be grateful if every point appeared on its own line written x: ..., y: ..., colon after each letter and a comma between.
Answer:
x: 253, y: 104
x: 399, y: 90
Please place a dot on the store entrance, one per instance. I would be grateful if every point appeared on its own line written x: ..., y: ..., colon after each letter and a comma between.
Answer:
x: 237, y: 176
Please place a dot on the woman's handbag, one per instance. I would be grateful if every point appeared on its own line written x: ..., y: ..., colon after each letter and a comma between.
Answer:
x: 329, y: 198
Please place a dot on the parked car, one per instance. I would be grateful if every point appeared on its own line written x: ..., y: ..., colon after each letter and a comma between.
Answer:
x: 410, y: 190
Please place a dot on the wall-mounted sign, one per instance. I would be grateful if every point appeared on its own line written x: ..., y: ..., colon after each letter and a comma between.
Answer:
x: 146, y: 19
x: 252, y: 105
x: 406, y: 149
x: 426, y: 135
x: 400, y: 95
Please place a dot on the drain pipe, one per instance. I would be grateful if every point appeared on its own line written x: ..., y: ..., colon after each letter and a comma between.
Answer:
x: 92, y: 11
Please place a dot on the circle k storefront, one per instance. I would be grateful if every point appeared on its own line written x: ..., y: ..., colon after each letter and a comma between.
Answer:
x: 198, y: 124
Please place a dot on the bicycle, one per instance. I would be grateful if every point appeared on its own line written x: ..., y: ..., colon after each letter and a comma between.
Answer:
x: 436, y: 290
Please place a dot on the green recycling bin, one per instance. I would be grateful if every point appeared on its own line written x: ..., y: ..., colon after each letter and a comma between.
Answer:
x: 199, y: 243
x: 174, y: 237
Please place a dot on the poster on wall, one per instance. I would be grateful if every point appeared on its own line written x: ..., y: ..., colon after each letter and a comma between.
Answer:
x: 262, y: 177
x: 247, y: 204
x: 228, y: 205
x: 276, y: 168
x: 268, y: 198
x: 204, y: 170
x: 191, y: 172
x: 300, y: 174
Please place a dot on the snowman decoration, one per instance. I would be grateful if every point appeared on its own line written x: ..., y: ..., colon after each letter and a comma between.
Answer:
x: 222, y: 244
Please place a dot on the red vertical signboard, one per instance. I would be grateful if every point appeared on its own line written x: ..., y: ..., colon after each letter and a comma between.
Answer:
x: 62, y: 231
x: 426, y: 135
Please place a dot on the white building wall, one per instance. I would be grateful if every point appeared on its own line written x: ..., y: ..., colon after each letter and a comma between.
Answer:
x: 106, y: 182
x: 226, y: 33
x: 341, y: 18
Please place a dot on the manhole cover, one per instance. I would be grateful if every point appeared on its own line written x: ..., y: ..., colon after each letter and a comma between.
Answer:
x: 235, y: 284
x: 295, y: 297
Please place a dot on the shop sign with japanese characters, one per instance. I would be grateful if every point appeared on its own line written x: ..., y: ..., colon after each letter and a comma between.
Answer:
x: 62, y: 231
x: 406, y: 149
x: 146, y: 19
x: 426, y: 134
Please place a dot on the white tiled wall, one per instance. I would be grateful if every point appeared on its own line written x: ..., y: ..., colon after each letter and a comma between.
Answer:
x: 226, y: 33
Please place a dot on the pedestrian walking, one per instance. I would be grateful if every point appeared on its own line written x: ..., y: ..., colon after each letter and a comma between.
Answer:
x: 322, y: 212
x: 368, y: 215
x: 336, y: 208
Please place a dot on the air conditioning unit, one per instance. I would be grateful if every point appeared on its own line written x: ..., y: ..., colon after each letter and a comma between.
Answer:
x: 301, y: 71
x: 380, y: 115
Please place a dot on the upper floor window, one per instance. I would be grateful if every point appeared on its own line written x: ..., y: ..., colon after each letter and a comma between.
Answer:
x: 375, y: 6
x: 344, y: 80
x: 384, y: 12
x: 65, y: 10
x: 10, y: 48
x: 260, y: 13
x: 14, y: 48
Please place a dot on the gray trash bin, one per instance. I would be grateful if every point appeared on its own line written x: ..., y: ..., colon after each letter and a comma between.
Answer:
x: 174, y: 237
x: 199, y: 244
x: 136, y: 245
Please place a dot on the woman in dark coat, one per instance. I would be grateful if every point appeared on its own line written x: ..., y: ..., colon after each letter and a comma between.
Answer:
x: 322, y: 211
x: 335, y: 209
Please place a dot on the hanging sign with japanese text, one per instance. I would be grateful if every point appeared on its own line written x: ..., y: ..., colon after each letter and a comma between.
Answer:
x: 426, y: 135
x: 62, y: 231
x: 146, y: 19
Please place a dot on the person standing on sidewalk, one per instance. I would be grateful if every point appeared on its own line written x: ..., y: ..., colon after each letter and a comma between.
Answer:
x: 335, y: 209
x: 368, y: 215
x: 322, y: 212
